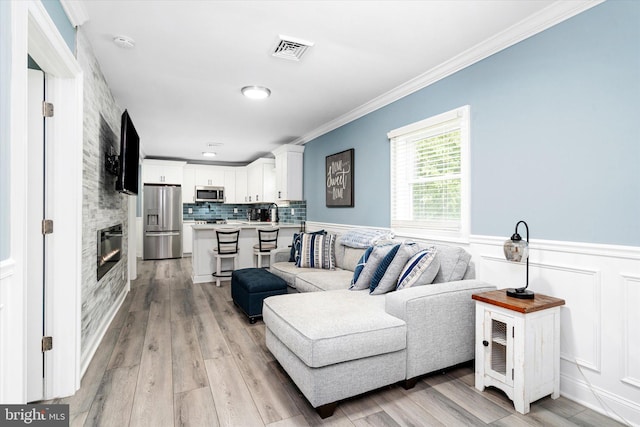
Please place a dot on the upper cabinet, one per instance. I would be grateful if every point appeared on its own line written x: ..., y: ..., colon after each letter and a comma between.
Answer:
x: 242, y: 193
x: 288, y: 172
x: 210, y: 175
x: 261, y: 181
x: 189, y: 184
x: 230, y: 185
x: 162, y: 172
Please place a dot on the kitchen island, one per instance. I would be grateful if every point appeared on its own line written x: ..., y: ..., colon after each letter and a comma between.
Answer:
x: 204, y: 241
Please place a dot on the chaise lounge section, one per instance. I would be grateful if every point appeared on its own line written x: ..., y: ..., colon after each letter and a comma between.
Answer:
x: 336, y: 343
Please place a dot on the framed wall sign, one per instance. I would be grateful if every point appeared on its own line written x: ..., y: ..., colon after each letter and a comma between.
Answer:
x: 339, y: 179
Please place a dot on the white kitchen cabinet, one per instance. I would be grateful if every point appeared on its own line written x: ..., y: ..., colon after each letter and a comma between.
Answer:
x: 518, y: 346
x: 261, y: 181
x: 242, y: 195
x: 288, y: 172
x: 162, y: 172
x: 187, y: 237
x: 230, y: 185
x: 210, y: 175
x: 188, y: 184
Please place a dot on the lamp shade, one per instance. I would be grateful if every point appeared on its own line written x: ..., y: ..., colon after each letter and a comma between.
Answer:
x: 516, y: 250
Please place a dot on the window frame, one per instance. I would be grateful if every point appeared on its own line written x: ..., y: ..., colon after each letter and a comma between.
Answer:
x: 422, y: 230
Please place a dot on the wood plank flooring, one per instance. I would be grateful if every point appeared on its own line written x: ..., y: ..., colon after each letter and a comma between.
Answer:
x: 179, y: 354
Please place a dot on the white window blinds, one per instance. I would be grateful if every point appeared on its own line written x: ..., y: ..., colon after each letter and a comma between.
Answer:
x: 428, y: 174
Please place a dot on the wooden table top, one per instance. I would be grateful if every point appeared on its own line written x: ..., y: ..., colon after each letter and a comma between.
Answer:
x: 500, y: 298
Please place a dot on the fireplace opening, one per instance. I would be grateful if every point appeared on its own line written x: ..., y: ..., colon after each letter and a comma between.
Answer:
x: 109, y: 248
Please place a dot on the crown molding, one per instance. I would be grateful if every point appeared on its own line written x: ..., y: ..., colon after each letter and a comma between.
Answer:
x: 76, y: 12
x: 546, y: 18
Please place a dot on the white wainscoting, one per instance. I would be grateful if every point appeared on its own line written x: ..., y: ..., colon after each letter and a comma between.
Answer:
x: 600, y: 322
x: 11, y: 313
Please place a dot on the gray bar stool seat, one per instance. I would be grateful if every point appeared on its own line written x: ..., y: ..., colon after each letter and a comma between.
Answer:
x: 267, y: 241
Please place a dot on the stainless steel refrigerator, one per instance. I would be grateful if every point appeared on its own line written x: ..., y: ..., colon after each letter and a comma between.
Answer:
x: 162, y: 217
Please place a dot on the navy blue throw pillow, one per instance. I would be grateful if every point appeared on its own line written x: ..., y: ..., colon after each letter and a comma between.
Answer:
x: 382, y: 268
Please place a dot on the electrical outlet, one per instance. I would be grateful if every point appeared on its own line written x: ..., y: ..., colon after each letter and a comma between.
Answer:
x: 190, y: 210
x: 293, y: 211
x: 235, y: 210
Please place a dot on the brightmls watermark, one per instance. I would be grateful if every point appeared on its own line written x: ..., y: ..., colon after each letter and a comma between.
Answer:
x: 34, y: 415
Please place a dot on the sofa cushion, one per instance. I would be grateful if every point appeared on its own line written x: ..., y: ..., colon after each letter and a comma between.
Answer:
x: 287, y: 271
x: 376, y: 257
x: 389, y: 280
x: 453, y: 263
x: 420, y: 269
x: 350, y: 258
x: 323, y: 280
x: 354, y: 325
x: 317, y: 251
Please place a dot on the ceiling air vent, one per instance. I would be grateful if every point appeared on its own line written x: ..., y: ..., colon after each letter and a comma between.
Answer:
x: 291, y: 48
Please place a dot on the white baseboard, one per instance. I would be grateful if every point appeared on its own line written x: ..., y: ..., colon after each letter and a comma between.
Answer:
x: 600, y: 400
x: 92, y: 347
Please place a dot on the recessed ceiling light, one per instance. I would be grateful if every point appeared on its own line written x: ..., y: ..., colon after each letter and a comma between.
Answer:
x: 124, y: 42
x: 256, y: 92
x: 208, y: 154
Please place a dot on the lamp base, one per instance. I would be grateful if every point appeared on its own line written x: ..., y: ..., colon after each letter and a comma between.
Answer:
x: 521, y: 293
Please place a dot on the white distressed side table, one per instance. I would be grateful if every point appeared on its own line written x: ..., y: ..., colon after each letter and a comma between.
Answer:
x: 518, y: 346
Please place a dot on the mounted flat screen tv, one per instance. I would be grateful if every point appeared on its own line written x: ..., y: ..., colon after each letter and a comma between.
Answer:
x: 127, y: 180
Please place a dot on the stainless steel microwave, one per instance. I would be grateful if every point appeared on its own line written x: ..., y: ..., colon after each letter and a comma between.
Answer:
x: 206, y: 193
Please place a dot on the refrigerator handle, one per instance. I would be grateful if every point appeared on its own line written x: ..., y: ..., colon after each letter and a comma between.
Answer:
x: 155, y: 234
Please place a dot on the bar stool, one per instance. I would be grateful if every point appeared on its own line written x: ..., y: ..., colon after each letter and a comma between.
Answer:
x: 267, y: 241
x: 227, y: 249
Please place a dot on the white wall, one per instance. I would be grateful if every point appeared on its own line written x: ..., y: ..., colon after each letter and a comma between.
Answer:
x: 600, y: 339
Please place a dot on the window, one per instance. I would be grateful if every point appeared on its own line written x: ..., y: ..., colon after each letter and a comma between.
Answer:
x: 429, y: 176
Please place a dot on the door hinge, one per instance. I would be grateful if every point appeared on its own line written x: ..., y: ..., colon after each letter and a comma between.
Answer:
x: 511, y: 374
x: 47, y: 343
x: 47, y: 226
x: 513, y: 332
x: 47, y: 109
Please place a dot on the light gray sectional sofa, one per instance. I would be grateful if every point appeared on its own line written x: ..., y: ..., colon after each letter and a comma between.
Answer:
x: 340, y: 343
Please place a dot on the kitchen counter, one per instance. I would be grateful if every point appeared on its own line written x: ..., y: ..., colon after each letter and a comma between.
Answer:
x: 244, y: 225
x: 204, y: 240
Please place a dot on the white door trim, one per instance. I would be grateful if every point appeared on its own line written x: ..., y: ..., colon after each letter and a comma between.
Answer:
x: 31, y: 31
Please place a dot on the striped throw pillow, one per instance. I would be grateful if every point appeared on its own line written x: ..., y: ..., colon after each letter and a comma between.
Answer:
x: 317, y: 251
x: 360, y: 266
x: 421, y: 269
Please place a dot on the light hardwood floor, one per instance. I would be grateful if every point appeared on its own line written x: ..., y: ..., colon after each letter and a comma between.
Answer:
x: 179, y: 354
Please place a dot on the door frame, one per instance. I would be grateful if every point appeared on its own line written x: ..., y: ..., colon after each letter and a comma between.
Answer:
x: 28, y: 29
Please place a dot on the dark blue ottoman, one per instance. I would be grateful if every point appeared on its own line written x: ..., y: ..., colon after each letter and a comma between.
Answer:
x: 250, y: 286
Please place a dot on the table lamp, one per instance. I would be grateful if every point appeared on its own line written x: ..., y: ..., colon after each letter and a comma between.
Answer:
x: 516, y: 250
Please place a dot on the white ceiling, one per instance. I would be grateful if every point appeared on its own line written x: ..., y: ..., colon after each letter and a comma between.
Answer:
x: 181, y: 83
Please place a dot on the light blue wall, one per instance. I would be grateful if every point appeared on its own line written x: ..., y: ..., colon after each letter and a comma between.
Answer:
x: 59, y: 17
x: 555, y: 138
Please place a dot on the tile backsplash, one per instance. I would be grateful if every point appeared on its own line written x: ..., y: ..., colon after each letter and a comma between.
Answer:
x: 204, y: 211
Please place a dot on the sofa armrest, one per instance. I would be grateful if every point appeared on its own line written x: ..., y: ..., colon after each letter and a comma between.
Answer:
x: 440, y: 323
x: 279, y: 255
